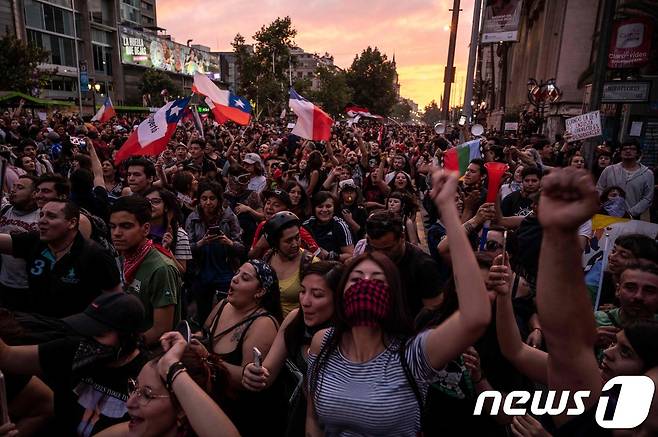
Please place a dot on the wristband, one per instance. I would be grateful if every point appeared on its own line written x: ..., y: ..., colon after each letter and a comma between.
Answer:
x: 174, y: 370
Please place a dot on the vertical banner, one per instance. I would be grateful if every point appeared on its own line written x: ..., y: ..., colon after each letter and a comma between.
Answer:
x: 630, y: 44
x: 501, y: 20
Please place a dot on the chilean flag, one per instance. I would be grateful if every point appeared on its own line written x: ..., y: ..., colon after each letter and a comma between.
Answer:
x: 312, y: 122
x: 223, y: 104
x: 153, y: 134
x: 353, y: 111
x: 105, y: 112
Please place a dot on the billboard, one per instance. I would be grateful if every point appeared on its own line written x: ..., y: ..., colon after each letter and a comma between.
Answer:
x: 630, y: 44
x: 501, y: 20
x: 150, y: 51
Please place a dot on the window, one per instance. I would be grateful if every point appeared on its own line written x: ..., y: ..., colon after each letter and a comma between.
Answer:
x: 47, y: 17
x: 147, y: 20
x: 147, y: 6
x: 102, y: 59
x: 63, y: 84
x: 100, y: 11
x: 61, y: 50
x: 101, y: 37
x: 130, y: 13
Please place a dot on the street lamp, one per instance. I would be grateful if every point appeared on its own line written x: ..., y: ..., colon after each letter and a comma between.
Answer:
x: 94, y: 88
x: 542, y: 93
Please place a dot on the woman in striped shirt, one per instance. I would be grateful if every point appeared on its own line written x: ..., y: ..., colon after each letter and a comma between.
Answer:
x: 368, y: 375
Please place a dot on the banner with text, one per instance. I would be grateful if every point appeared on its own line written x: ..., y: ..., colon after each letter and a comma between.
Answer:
x: 584, y: 126
x: 147, y: 50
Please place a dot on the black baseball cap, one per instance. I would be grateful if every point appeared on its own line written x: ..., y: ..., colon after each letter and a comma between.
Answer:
x: 116, y: 311
x: 283, y: 196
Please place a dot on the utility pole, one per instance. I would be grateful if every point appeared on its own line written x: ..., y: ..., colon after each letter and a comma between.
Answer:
x: 449, y: 75
x: 601, y: 64
x: 472, y: 55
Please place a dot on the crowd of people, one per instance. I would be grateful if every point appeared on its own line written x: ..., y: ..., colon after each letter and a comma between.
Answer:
x: 249, y: 282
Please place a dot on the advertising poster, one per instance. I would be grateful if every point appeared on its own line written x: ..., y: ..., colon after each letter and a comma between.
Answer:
x: 147, y: 50
x: 501, y: 20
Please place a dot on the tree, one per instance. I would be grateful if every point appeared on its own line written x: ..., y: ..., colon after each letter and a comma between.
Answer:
x: 153, y: 82
x: 334, y: 93
x: 401, y: 112
x: 264, y: 70
x: 372, y: 77
x: 431, y: 114
x: 18, y: 65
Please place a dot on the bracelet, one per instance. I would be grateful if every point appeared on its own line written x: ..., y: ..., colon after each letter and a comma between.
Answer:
x: 173, y: 371
x: 173, y: 378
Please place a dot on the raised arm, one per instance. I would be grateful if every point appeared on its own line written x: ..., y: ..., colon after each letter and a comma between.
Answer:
x: 568, y: 198
x: 96, y: 166
x: 530, y: 361
x: 205, y: 416
x: 468, y: 323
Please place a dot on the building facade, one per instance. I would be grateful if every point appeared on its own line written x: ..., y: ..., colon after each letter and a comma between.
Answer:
x: 113, y: 41
x: 560, y: 40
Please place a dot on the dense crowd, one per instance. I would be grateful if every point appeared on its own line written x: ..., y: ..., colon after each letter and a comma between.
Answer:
x: 249, y: 282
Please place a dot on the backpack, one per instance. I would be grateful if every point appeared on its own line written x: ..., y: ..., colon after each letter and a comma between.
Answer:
x: 100, y: 232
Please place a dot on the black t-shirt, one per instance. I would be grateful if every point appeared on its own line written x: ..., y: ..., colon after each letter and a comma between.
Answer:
x: 85, y: 403
x: 65, y: 287
x: 360, y: 216
x: 330, y: 236
x: 420, y: 277
x: 516, y: 204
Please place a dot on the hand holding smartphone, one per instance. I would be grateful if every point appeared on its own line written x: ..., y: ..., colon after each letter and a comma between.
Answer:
x: 258, y: 357
x: 184, y: 328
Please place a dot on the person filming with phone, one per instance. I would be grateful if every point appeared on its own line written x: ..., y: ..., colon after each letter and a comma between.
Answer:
x: 217, y: 249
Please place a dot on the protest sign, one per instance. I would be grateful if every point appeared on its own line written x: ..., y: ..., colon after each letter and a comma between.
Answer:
x: 584, y: 126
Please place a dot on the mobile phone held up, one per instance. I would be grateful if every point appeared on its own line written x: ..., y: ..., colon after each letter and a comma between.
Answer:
x: 215, y: 230
x: 258, y: 358
x: 184, y: 328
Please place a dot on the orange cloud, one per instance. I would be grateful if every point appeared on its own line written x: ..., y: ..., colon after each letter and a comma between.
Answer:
x: 412, y: 29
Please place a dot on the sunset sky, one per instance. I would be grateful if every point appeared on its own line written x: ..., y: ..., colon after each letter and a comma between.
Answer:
x: 417, y: 31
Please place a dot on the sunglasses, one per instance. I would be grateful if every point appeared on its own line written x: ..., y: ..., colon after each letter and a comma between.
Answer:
x: 242, y: 179
x: 491, y: 246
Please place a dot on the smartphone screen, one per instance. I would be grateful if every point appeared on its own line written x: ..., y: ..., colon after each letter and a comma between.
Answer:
x: 215, y: 230
x: 462, y: 120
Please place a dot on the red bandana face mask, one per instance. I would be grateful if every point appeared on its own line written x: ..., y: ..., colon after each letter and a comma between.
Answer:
x: 367, y: 303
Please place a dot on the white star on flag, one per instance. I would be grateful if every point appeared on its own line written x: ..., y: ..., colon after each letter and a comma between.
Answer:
x: 239, y: 103
x: 174, y: 110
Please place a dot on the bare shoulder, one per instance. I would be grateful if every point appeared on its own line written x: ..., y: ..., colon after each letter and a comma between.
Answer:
x: 316, y: 342
x: 289, y: 318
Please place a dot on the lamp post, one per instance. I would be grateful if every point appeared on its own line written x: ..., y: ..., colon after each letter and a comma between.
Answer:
x: 542, y: 93
x: 94, y: 88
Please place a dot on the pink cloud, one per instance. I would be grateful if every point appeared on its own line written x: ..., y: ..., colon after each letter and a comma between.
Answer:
x: 412, y: 29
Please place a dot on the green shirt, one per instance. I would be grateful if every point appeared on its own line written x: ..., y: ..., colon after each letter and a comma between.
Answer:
x: 611, y: 318
x: 157, y: 284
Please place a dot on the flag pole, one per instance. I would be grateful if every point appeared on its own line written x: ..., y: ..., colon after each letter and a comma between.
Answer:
x: 603, y: 266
